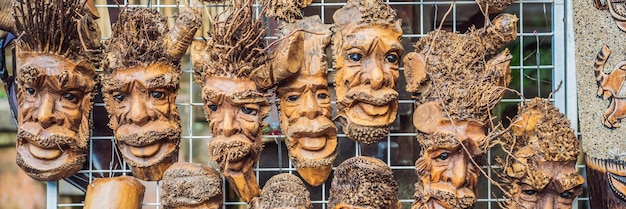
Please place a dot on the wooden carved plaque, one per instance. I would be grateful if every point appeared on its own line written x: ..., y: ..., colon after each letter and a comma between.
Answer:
x: 611, y: 87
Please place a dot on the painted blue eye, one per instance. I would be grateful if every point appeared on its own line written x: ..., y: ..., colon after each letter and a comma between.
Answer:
x: 322, y: 96
x: 30, y: 91
x: 293, y: 98
x: 566, y: 195
x: 70, y: 97
x: 248, y: 111
x: 355, y: 57
x: 212, y: 107
x: 392, y: 58
x: 530, y: 192
x: 119, y: 97
x: 443, y: 156
x: 156, y: 94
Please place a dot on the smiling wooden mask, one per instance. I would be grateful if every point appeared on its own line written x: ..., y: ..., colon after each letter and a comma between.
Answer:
x: 367, y: 48
x: 305, y: 109
x: 55, y: 80
x: 454, y: 94
x: 140, y: 85
x: 542, y: 173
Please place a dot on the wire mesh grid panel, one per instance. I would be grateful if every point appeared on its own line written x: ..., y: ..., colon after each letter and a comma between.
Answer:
x: 535, y: 68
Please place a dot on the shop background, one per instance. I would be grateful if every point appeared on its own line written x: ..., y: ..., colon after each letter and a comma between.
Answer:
x: 537, y: 68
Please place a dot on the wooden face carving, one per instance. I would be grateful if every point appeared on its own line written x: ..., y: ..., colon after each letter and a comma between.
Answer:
x: 54, y: 99
x: 235, y: 110
x: 610, y: 88
x: 143, y: 116
x: 367, y: 71
x: 189, y: 185
x: 306, y: 115
x: 551, y: 184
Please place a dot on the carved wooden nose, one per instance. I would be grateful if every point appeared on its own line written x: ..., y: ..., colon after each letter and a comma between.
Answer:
x: 45, y: 113
x: 312, y: 109
x: 138, y: 113
x: 228, y: 126
x: 456, y: 172
x: 375, y: 76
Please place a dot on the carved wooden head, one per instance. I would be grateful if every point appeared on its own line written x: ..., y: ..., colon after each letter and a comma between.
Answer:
x: 55, y: 82
x: 367, y: 48
x: 140, y: 85
x: 228, y: 67
x: 455, y: 93
x: 542, y: 173
x: 283, y: 191
x: 306, y: 112
x: 363, y: 182
x: 191, y: 186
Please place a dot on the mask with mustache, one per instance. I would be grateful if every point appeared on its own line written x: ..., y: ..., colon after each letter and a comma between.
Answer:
x: 367, y: 101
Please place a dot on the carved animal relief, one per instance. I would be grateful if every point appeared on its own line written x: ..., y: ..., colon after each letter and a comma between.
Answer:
x: 367, y: 48
x: 140, y: 85
x: 541, y: 173
x: 191, y: 186
x: 611, y: 87
x: 363, y: 182
x: 305, y: 108
x: 283, y: 191
x: 55, y: 80
x: 454, y: 95
x: 617, y: 8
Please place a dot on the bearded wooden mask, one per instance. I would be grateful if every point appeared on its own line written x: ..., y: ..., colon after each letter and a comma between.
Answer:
x: 542, y: 173
x: 305, y: 106
x: 188, y: 185
x: 454, y: 94
x: 363, y: 182
x: 140, y: 85
x: 283, y: 191
x: 55, y: 81
x: 367, y: 48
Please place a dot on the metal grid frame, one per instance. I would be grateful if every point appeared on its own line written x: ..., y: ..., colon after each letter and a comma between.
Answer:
x: 562, y: 66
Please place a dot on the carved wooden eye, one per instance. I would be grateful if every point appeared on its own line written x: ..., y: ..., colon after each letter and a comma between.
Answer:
x: 355, y: 57
x: 248, y: 111
x: 566, y: 195
x: 322, y: 96
x: 392, y: 58
x: 292, y: 98
x: 119, y: 97
x: 213, y: 107
x: 70, y: 97
x: 30, y: 91
x: 156, y: 94
x: 443, y: 156
x: 530, y: 192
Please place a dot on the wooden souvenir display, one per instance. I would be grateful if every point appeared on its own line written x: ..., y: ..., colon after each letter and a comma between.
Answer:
x: 305, y: 109
x: 233, y: 71
x: 541, y: 172
x: 113, y: 193
x: 283, y: 191
x: 363, y: 182
x: 191, y: 186
x: 455, y: 93
x: 140, y: 84
x: 617, y: 9
x: 367, y: 48
x: 55, y: 79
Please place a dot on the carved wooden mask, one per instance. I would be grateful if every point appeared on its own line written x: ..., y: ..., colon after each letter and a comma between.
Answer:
x: 543, y: 172
x: 283, y: 191
x: 363, y: 182
x: 191, y: 186
x: 454, y: 94
x: 305, y: 107
x: 140, y: 87
x: 367, y: 48
x: 230, y: 68
x: 54, y: 90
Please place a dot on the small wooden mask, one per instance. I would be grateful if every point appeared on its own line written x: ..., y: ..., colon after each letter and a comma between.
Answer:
x: 283, y: 191
x: 231, y: 68
x: 542, y: 173
x: 363, y: 182
x: 305, y: 106
x: 455, y: 93
x: 367, y: 48
x: 111, y: 193
x: 55, y: 81
x: 140, y: 85
x: 191, y: 186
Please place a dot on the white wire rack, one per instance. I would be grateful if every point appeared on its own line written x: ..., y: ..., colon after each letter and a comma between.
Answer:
x: 543, y: 57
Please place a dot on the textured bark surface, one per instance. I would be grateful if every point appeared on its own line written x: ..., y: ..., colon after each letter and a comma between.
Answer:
x: 305, y: 107
x: 287, y: 10
x: 283, y: 191
x: 113, y: 193
x: 363, y: 182
x: 365, y: 82
x: 188, y: 185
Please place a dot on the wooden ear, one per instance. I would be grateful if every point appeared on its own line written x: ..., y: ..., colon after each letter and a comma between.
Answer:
x: 426, y: 117
x: 285, y: 61
x: 414, y: 71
